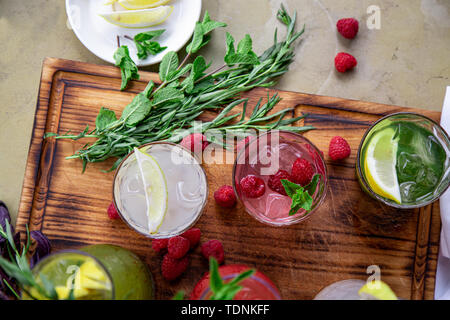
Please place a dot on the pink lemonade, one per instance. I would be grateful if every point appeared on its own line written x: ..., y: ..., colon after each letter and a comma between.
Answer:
x: 263, y: 157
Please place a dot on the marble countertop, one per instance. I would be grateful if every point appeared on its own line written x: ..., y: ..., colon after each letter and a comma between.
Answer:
x: 404, y: 62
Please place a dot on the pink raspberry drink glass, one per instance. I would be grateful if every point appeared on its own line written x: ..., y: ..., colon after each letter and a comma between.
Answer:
x: 263, y: 157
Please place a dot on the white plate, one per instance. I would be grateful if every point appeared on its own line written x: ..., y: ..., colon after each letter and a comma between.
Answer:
x: 100, y: 36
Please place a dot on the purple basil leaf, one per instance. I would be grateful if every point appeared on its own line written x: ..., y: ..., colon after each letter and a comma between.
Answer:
x: 4, y: 216
x: 43, y: 247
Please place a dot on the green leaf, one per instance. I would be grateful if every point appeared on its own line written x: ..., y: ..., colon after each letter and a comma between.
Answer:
x: 149, y: 88
x: 104, y: 118
x: 168, y: 64
x: 216, y: 282
x: 209, y: 25
x: 244, y: 53
x: 245, y: 45
x: 179, y: 295
x: 300, y: 197
x: 137, y: 110
x: 200, y: 37
x: 144, y: 36
x: 128, y: 68
x: 168, y: 94
x: 197, y: 39
x: 147, y: 48
x: 312, y: 186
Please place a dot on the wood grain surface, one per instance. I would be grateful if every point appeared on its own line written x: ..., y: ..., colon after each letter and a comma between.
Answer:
x: 348, y: 233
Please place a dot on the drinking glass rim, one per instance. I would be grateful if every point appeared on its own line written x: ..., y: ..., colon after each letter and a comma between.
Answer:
x: 148, y: 235
x: 363, y: 178
x: 82, y: 253
x: 325, y: 179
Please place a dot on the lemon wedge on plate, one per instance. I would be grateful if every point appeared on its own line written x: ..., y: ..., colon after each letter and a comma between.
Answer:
x: 380, y: 165
x: 155, y: 188
x: 138, y: 18
x: 138, y: 4
x: 378, y: 290
x: 142, y: 4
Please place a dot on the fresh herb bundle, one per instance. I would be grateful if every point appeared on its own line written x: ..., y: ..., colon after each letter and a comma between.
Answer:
x: 158, y: 114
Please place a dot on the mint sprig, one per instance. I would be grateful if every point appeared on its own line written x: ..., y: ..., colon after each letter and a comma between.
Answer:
x: 301, y: 196
x: 221, y: 290
x: 128, y: 68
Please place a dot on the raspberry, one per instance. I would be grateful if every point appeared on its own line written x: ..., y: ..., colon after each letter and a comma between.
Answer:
x: 242, y: 143
x: 339, y: 148
x: 112, y: 212
x: 213, y: 248
x: 302, y: 171
x: 252, y: 186
x: 193, y: 235
x: 195, y: 142
x: 348, y: 27
x: 159, y: 244
x: 225, y: 196
x: 344, y: 61
x: 177, y: 247
x: 173, y: 268
x: 275, y: 184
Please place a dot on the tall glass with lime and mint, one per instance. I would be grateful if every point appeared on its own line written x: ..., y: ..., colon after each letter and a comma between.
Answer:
x: 96, y: 272
x: 404, y: 160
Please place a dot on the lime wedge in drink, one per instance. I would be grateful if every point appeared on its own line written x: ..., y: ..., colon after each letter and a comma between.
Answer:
x: 138, y: 18
x: 155, y: 189
x: 378, y: 290
x: 380, y: 164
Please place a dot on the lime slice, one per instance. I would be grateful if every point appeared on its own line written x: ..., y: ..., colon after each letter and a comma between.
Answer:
x: 138, y: 18
x: 155, y: 188
x: 141, y: 4
x: 378, y: 290
x: 380, y: 165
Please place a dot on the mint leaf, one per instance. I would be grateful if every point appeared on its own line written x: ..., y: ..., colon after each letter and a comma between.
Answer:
x: 216, y: 282
x: 301, y: 197
x: 149, y: 35
x: 128, y: 68
x: 147, y: 47
x: 244, y: 53
x: 137, y: 110
x: 209, y: 25
x: 104, y: 118
x: 201, y: 37
x: 168, y: 64
x: 312, y: 186
x: 168, y: 94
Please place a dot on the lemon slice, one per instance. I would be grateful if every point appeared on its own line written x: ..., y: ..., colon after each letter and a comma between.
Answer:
x: 138, y: 18
x: 141, y: 4
x: 377, y: 290
x: 380, y: 165
x: 155, y: 188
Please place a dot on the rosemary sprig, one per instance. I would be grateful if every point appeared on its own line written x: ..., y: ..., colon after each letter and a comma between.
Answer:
x: 189, y: 89
x: 19, y: 268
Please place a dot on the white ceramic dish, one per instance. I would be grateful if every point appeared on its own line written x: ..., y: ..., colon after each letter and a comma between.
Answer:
x: 100, y: 36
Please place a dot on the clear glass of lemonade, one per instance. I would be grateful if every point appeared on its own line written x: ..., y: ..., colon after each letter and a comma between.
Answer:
x: 95, y: 272
x: 263, y: 157
x: 404, y: 160
x: 185, y: 183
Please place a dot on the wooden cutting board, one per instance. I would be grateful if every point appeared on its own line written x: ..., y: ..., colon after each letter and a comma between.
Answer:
x: 347, y: 234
